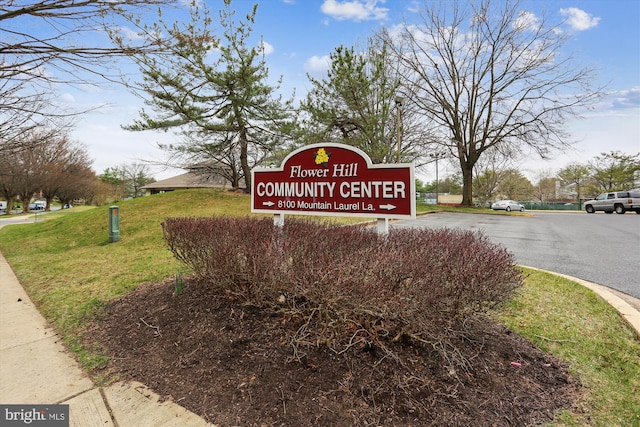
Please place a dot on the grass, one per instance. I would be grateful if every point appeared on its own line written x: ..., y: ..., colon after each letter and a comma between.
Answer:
x: 570, y: 321
x: 70, y: 270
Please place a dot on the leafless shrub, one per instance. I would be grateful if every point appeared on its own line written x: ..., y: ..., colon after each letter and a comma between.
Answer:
x: 348, y: 287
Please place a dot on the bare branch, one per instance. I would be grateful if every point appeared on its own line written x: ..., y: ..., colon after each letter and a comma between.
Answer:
x: 491, y: 79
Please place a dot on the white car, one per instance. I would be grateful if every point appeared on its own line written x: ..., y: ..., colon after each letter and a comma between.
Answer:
x: 507, y: 205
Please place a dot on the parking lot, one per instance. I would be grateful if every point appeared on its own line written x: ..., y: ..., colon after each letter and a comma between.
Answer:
x: 600, y: 248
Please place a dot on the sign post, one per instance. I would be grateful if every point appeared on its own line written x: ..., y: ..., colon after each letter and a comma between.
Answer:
x: 331, y: 179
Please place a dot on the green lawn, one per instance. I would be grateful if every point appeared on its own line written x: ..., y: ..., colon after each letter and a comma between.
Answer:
x: 70, y: 270
x: 570, y: 321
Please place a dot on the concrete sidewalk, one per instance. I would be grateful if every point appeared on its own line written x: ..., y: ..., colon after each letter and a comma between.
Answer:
x: 35, y: 368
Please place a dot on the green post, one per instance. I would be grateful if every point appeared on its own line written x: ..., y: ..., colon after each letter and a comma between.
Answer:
x: 114, y: 224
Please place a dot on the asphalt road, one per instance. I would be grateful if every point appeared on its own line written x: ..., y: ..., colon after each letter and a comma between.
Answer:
x: 600, y: 248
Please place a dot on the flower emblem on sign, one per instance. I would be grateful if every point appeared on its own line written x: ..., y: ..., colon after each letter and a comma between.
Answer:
x: 322, y: 157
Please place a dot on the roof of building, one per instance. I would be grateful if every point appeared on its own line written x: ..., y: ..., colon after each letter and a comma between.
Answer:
x: 188, y: 180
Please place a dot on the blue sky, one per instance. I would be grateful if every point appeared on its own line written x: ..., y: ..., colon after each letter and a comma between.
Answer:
x: 300, y: 34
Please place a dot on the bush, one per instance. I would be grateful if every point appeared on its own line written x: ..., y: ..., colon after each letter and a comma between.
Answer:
x: 348, y: 286
x: 233, y: 255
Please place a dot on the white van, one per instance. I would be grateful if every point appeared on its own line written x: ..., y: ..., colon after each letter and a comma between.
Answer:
x: 38, y: 205
x: 3, y: 206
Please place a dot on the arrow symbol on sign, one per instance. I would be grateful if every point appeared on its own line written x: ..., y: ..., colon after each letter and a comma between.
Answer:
x: 387, y: 207
x: 268, y: 203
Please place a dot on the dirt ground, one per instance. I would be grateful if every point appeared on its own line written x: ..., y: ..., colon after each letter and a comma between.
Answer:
x: 232, y: 365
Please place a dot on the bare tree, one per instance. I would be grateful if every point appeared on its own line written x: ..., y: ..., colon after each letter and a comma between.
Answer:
x: 53, y: 166
x: 44, y: 42
x: 492, y: 76
x: 83, y: 186
x: 24, y: 174
x: 16, y: 113
x: 136, y: 176
x: 487, y: 174
x: 64, y: 26
x: 65, y: 166
x: 22, y: 171
x: 25, y: 108
x: 545, y: 187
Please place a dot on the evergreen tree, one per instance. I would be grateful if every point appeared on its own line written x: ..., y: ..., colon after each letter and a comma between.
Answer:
x: 214, y: 91
x: 358, y: 103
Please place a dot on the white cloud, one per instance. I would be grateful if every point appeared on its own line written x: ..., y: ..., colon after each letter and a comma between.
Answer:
x: 578, y: 19
x: 265, y: 48
x: 356, y: 10
x: 526, y: 21
x: 414, y: 7
x: 67, y: 98
x: 129, y: 34
x: 317, y: 65
x: 626, y: 99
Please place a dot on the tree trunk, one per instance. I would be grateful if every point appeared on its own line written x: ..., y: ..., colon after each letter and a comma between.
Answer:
x: 467, y: 184
x: 244, y: 160
x: 25, y: 199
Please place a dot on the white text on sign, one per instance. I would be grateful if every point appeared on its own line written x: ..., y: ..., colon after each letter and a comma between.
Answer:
x: 355, y: 189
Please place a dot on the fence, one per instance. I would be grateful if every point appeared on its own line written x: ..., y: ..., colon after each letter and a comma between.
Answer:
x: 553, y: 206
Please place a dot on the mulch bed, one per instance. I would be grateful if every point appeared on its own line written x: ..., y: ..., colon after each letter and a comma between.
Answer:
x: 231, y: 364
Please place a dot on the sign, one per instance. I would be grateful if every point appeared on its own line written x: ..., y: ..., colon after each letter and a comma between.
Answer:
x: 334, y: 180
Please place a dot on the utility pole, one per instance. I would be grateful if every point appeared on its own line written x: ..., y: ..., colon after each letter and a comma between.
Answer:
x: 437, y: 156
x: 399, y: 102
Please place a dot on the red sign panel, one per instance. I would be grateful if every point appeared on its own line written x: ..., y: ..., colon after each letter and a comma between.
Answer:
x: 334, y: 179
